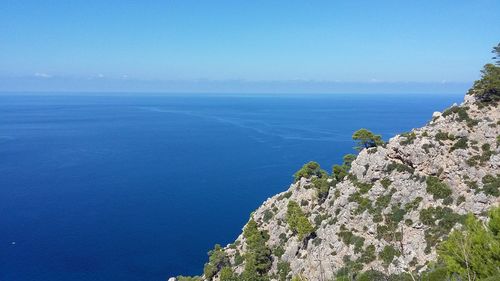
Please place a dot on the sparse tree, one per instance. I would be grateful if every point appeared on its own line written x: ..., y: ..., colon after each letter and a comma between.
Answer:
x: 366, y: 139
x: 496, y: 51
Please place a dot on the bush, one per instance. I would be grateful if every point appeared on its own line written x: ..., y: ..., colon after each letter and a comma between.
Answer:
x: 475, y: 250
x: 366, y: 139
x: 426, y: 147
x: 487, y: 89
x: 448, y: 201
x: 322, y: 187
x: 413, y: 204
x: 188, y: 278
x: 268, y: 215
x: 442, y: 136
x: 283, y: 270
x: 368, y: 255
x: 383, y: 201
x: 440, y: 221
x: 409, y: 138
x: 462, y: 115
x: 362, y: 186
x: 491, y: 185
x: 341, y: 171
x: 371, y: 275
x: 399, y: 167
x: 385, y: 182
x: 297, y: 221
x: 258, y: 256
x: 396, y: 215
x: 227, y: 274
x: 217, y: 260
x: 387, y: 254
x: 460, y: 144
x: 438, y: 189
x: 308, y: 170
x: 363, y: 202
x: 285, y: 195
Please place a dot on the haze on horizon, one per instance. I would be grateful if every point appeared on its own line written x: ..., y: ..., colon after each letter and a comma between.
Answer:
x: 245, y: 46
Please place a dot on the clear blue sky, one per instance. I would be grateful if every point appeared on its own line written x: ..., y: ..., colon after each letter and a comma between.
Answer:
x: 315, y: 46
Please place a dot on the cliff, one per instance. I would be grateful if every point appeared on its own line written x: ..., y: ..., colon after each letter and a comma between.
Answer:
x: 395, y: 203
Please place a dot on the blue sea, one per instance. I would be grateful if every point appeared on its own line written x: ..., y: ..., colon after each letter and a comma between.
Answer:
x: 140, y: 186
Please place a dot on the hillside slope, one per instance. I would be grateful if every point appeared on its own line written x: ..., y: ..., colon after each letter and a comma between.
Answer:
x: 385, y: 209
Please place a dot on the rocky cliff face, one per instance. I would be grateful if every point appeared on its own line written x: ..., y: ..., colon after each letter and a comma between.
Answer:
x: 397, y: 202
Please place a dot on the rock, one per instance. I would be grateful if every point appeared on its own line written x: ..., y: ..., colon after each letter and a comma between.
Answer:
x: 394, y: 177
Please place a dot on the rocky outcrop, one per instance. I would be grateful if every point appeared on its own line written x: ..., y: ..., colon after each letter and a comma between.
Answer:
x: 386, y: 214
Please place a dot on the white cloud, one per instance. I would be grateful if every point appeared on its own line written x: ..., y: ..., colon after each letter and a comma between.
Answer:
x: 42, y: 75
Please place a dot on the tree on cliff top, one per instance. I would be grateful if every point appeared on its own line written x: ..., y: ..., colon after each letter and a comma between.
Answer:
x: 366, y: 139
x: 496, y: 51
x: 487, y: 89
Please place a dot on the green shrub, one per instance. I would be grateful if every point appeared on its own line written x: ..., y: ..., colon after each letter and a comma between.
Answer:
x: 258, y: 256
x: 363, y: 202
x: 227, y: 274
x: 371, y: 275
x: 383, y: 201
x: 440, y: 221
x: 461, y: 114
x: 448, y: 201
x: 442, y: 136
x: 268, y: 215
x: 413, y: 204
x: 322, y: 187
x: 396, y: 215
x: 362, y: 186
x: 368, y: 255
x: 341, y: 171
x: 475, y: 250
x: 283, y: 270
x: 435, y: 274
x: 473, y: 161
x: 385, y: 182
x: 487, y: 89
x: 217, y: 260
x: 491, y: 185
x: 297, y: 221
x: 285, y: 195
x: 460, y: 144
x: 308, y: 170
x: 351, y: 239
x: 409, y: 138
x: 426, y: 147
x: 387, y: 254
x: 278, y: 251
x: 188, y: 278
x: 399, y: 167
x: 238, y: 259
x: 385, y: 232
x: 438, y: 189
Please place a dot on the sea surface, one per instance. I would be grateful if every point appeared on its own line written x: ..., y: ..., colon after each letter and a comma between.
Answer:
x: 139, y: 187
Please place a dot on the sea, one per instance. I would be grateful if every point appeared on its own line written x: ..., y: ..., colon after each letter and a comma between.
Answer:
x: 131, y: 186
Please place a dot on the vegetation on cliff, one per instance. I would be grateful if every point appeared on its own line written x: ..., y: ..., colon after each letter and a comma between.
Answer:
x: 419, y: 207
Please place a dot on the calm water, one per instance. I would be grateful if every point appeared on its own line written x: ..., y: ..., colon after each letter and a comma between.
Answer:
x: 141, y: 187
